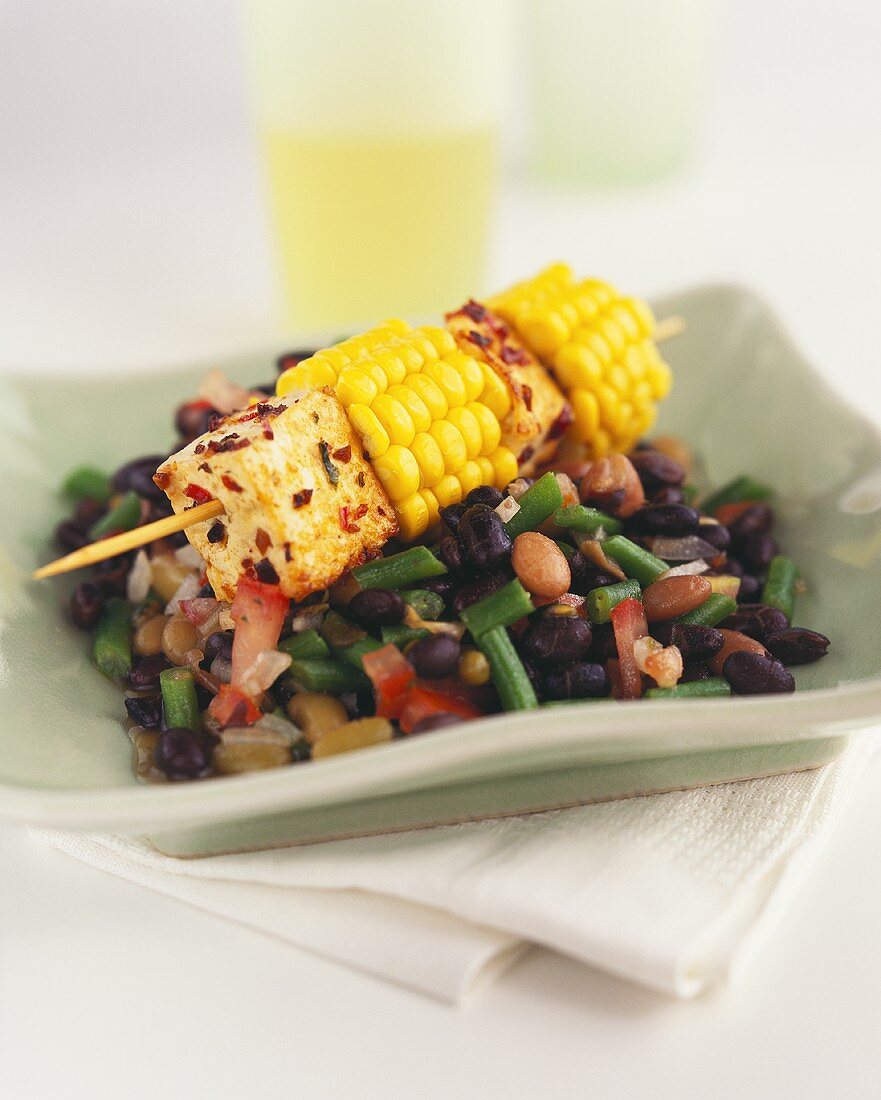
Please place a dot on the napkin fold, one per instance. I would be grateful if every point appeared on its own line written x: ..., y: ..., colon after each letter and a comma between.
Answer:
x: 673, y: 891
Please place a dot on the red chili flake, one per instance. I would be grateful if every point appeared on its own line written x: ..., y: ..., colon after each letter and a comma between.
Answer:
x: 361, y: 479
x: 263, y: 408
x: 343, y: 454
x: 479, y: 338
x: 265, y: 571
x: 215, y: 420
x: 204, y: 467
x: 231, y: 483
x: 268, y: 433
x: 303, y: 496
x: 474, y: 310
x: 162, y: 479
x: 348, y: 520
x: 315, y: 418
x: 197, y: 493
x: 231, y: 442
x: 525, y: 455
x: 199, y: 449
x: 510, y: 354
x: 527, y: 397
x: 262, y: 540
x: 247, y: 564
x: 562, y: 422
x: 287, y: 551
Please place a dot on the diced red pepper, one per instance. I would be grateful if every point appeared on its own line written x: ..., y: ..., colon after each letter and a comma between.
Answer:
x: 258, y: 611
x: 391, y: 675
x: 232, y: 707
x: 422, y: 702
x: 629, y: 623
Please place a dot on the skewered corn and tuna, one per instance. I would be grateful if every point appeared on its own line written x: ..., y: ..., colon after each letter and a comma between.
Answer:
x: 599, y: 346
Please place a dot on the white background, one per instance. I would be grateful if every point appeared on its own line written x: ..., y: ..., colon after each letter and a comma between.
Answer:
x: 132, y: 235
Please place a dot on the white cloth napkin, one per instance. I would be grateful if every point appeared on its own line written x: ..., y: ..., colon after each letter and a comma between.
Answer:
x: 672, y: 891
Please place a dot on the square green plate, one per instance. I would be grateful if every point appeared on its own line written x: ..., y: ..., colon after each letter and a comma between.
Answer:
x: 744, y: 398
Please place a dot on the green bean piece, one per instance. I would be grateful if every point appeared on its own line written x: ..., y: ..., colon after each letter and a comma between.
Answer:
x: 713, y: 610
x: 508, y: 674
x: 339, y: 632
x: 427, y: 605
x: 112, y: 647
x: 399, y: 570
x: 636, y: 562
x: 501, y: 609
x: 125, y: 515
x: 779, y: 590
x: 694, y: 689
x: 740, y: 489
x: 353, y: 654
x: 401, y: 635
x: 308, y: 643
x: 180, y: 706
x: 587, y: 521
x: 87, y: 483
x: 600, y: 602
x: 329, y: 676
x: 539, y: 502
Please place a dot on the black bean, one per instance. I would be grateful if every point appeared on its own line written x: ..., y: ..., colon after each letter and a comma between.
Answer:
x: 70, y: 536
x: 732, y: 566
x: 144, y: 674
x: 86, y: 605
x: 87, y: 512
x: 443, y: 585
x: 755, y: 674
x: 657, y: 470
x: 484, y: 538
x: 483, y: 586
x: 757, y: 551
x: 435, y: 722
x: 451, y: 553
x: 193, y: 419
x: 755, y: 520
x: 750, y: 589
x: 716, y: 534
x: 377, y: 607
x: 603, y: 646
x: 435, y: 656
x: 796, y: 645
x: 452, y: 514
x: 111, y: 575
x: 695, y: 671
x: 756, y: 620
x: 145, y: 710
x: 674, y: 520
x: 182, y: 754
x: 300, y: 751
x: 485, y: 494
x: 581, y: 681
x: 586, y: 576
x: 138, y: 475
x: 669, y: 494
x: 556, y: 639
x: 696, y: 642
x: 218, y: 645
x: 283, y: 690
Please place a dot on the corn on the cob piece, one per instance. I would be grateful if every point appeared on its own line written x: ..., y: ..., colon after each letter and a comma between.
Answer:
x: 600, y: 348
x: 426, y: 412
x: 537, y: 412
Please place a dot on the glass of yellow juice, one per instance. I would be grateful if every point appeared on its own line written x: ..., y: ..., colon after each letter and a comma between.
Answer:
x: 379, y: 128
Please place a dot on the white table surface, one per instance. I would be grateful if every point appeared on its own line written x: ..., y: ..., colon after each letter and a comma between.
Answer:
x: 108, y: 990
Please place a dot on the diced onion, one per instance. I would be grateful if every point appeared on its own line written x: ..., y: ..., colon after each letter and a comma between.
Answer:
x: 508, y: 508
x: 688, y: 569
x: 263, y: 672
x: 140, y: 578
x: 188, y: 589
x: 689, y: 548
x: 190, y: 557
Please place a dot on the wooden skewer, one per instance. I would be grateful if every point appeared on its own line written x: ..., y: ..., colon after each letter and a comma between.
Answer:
x: 140, y: 536
x: 130, y: 540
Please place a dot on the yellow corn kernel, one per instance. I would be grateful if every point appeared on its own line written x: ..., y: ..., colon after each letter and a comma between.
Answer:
x: 354, y: 387
x: 466, y: 422
x: 618, y: 378
x: 432, y: 506
x: 448, y: 491
x: 374, y: 372
x: 634, y: 360
x: 452, y: 445
x: 586, y: 411
x: 429, y: 458
x: 597, y: 343
x: 601, y: 444
x: 394, y: 325
x: 505, y: 467
x: 372, y: 434
x: 626, y: 320
x: 612, y: 333
x: 490, y: 429
x: 496, y: 394
x: 487, y: 473
x: 414, y: 405
x: 588, y: 307
x: 395, y: 419
x: 449, y: 380
x: 610, y: 408
x: 335, y: 358
x: 575, y: 366
x: 408, y: 355
x: 310, y: 374
x: 413, y: 517
x: 431, y: 394
x: 642, y: 395
x: 418, y: 340
x: 443, y: 341
x: 470, y: 372
x: 470, y: 476
x: 391, y: 364
x: 398, y: 471
x: 641, y: 314
x: 660, y: 378
x: 545, y: 330
x: 601, y: 292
